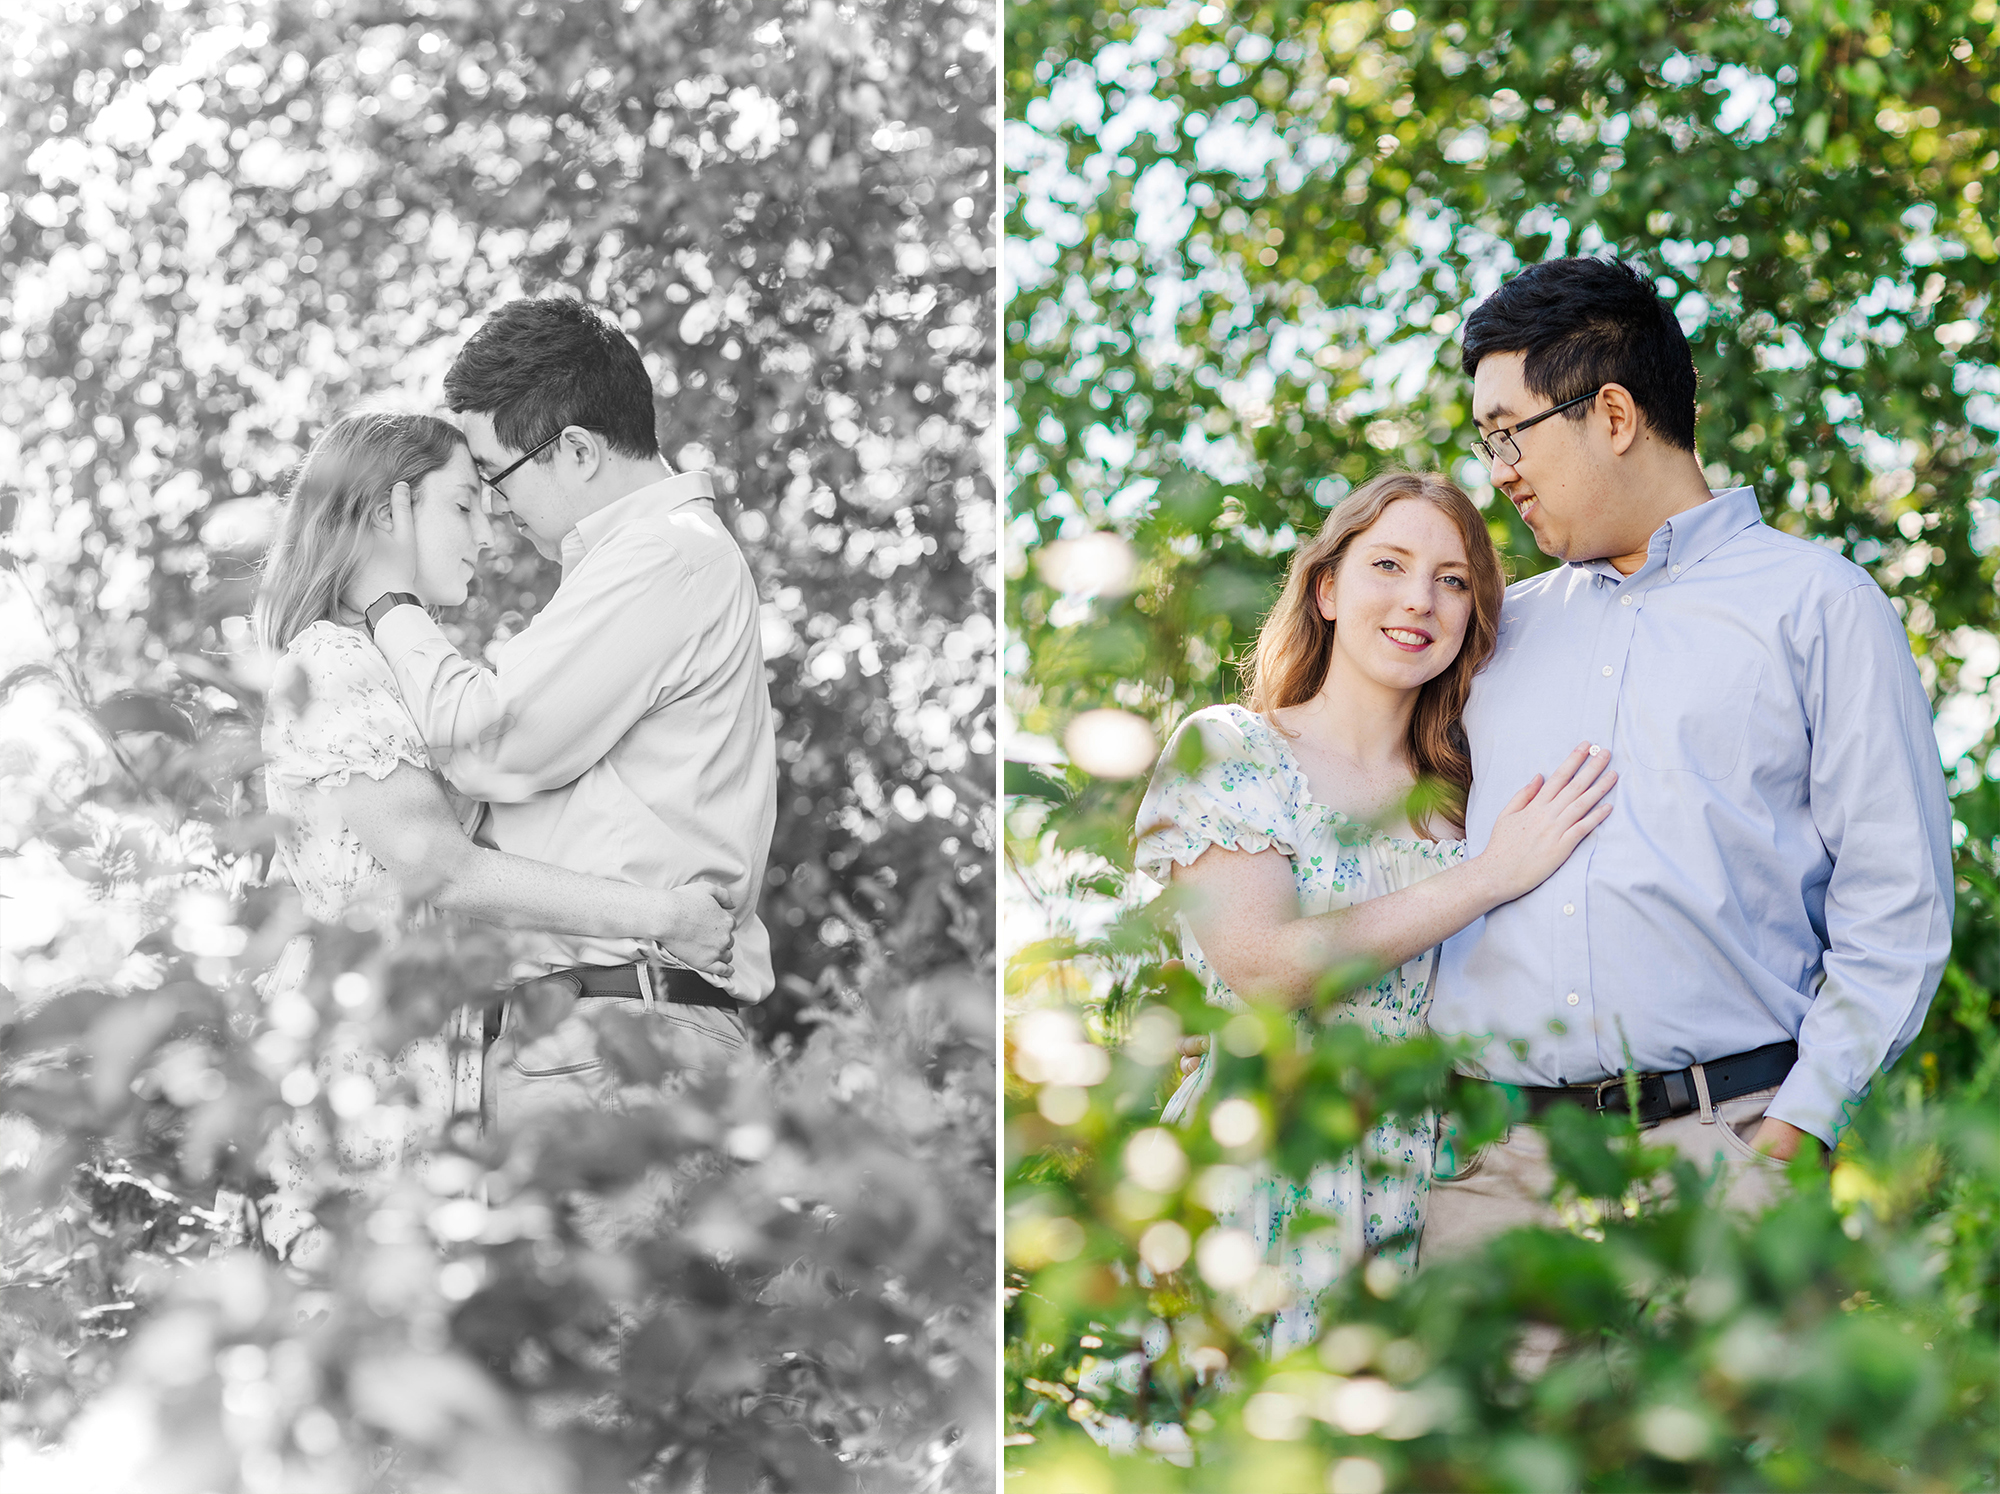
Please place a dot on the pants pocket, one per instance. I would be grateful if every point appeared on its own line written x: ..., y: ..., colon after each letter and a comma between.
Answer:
x: 571, y: 1046
x: 1449, y: 1166
x: 1736, y: 1123
x: 693, y: 1036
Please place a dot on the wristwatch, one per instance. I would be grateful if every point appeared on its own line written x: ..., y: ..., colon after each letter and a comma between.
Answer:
x: 380, y: 607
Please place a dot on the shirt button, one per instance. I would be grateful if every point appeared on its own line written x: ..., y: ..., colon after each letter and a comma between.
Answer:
x: 1624, y: 601
x: 1676, y: 570
x: 1607, y: 669
x: 1569, y: 907
x: 1571, y: 998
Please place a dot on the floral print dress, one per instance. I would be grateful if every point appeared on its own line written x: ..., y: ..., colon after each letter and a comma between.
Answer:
x: 335, y: 712
x: 1251, y: 795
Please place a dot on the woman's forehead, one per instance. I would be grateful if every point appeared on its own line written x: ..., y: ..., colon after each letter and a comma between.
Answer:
x: 457, y: 472
x: 1415, y: 526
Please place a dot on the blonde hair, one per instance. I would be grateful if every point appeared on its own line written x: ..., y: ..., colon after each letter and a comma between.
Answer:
x: 1288, y: 664
x: 350, y: 468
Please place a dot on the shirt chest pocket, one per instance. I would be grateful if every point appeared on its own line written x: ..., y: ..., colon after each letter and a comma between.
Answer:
x: 1689, y: 719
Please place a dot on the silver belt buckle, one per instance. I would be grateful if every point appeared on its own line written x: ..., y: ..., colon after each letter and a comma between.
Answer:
x: 1597, y: 1094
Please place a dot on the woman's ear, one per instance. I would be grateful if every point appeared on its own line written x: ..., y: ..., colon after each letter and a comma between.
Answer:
x: 1323, y: 595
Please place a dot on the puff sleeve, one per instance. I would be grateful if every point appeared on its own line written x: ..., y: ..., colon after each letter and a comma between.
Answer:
x: 1236, y: 792
x: 335, y: 712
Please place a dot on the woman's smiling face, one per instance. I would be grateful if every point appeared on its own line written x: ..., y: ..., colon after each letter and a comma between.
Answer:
x: 1401, y: 599
x: 449, y: 515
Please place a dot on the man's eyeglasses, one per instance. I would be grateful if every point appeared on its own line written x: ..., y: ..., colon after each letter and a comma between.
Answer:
x: 497, y: 478
x: 1500, y: 446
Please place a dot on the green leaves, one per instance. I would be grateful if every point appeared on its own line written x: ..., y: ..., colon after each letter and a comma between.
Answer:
x: 1273, y: 315
x: 1682, y: 1345
x: 1242, y: 243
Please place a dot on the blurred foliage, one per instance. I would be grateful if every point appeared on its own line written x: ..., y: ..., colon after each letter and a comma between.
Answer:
x: 1849, y: 1338
x: 1240, y: 244
x: 774, y: 1277
x: 219, y: 226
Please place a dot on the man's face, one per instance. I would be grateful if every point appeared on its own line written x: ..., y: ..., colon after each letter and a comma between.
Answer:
x: 1557, y: 485
x: 531, y: 494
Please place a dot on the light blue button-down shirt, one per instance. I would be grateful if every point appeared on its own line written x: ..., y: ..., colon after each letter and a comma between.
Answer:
x: 1778, y: 863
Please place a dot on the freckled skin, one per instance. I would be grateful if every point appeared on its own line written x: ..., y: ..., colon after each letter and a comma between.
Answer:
x: 448, y: 515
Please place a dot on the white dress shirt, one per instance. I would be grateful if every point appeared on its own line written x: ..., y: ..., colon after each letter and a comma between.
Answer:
x: 1777, y: 864
x: 626, y: 731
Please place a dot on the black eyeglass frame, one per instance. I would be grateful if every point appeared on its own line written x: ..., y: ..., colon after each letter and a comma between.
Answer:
x: 532, y: 452
x: 1507, y: 433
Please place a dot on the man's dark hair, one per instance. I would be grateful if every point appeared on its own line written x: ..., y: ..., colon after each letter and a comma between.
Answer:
x: 539, y: 365
x: 1584, y: 323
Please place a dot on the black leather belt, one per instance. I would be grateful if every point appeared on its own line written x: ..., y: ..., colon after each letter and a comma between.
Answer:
x: 1664, y: 1096
x: 669, y: 983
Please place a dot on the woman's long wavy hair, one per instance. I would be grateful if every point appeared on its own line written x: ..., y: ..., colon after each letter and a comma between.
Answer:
x: 350, y: 469
x: 1294, y: 647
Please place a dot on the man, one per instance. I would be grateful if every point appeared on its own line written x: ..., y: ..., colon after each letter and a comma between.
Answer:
x: 1761, y: 923
x: 627, y: 729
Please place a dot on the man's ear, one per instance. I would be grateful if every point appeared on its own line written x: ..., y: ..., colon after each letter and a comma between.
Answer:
x: 1621, y: 416
x: 584, y: 449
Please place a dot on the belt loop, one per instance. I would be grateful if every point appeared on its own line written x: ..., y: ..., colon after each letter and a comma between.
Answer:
x: 645, y: 970
x: 1701, y: 1093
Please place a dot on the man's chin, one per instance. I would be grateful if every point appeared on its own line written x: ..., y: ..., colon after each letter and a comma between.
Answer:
x: 1547, y: 543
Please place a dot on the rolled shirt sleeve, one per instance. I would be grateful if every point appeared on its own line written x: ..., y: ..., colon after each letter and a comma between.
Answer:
x: 1878, y: 802
x: 627, y: 730
x: 620, y: 635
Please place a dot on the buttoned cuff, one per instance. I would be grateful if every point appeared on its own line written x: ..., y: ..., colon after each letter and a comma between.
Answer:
x: 1814, y: 1101
x: 404, y: 628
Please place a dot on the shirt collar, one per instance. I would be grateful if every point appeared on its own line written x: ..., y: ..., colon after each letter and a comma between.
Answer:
x: 1690, y: 536
x: 1695, y: 533
x: 660, y: 497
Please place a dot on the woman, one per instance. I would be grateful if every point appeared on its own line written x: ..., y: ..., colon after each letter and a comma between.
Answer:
x: 370, y: 825
x: 1297, y: 840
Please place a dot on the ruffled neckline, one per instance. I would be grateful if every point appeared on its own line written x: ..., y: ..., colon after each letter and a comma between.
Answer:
x: 1369, y: 834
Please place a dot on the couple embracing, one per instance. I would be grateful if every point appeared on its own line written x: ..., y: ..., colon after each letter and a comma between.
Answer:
x: 607, y: 784
x: 1691, y: 817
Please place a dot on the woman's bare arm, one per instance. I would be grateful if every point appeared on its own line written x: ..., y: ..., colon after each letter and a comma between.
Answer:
x: 406, y: 823
x: 1245, y: 909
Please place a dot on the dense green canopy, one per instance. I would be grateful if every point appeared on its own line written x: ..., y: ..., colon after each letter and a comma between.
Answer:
x: 1241, y: 242
x: 1241, y: 251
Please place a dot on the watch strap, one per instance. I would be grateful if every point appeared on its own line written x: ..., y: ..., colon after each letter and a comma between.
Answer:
x: 380, y: 607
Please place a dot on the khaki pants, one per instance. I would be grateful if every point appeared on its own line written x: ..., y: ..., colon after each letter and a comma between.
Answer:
x: 561, y: 1070
x: 1506, y: 1184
